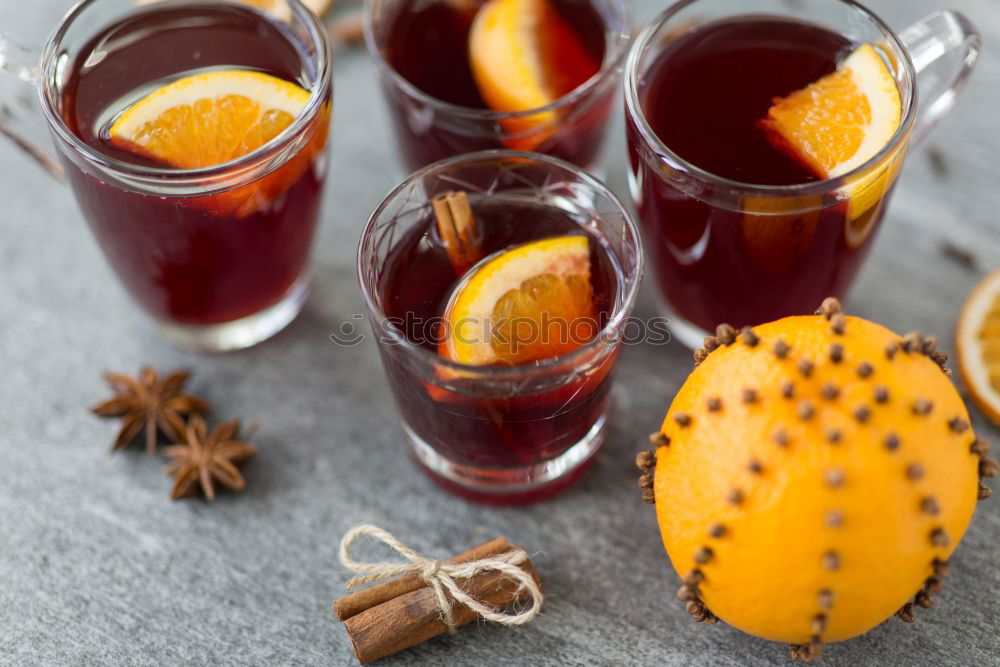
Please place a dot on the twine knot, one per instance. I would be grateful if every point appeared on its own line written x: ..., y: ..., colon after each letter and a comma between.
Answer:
x: 441, y: 576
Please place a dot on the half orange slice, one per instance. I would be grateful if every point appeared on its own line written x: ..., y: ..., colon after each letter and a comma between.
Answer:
x: 524, y: 56
x: 210, y: 118
x: 524, y: 304
x: 978, y: 345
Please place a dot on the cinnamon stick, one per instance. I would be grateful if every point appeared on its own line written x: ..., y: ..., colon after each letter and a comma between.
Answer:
x: 457, y: 227
x: 33, y: 151
x: 359, y: 601
x: 404, y: 612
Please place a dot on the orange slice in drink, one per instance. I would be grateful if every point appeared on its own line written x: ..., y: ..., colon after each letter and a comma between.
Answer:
x: 840, y: 122
x: 210, y: 118
x: 527, y: 303
x: 524, y: 56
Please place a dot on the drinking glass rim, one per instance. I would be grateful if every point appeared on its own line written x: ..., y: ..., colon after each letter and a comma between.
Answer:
x: 608, y: 67
x: 317, y: 96
x: 630, y: 292
x: 634, y: 110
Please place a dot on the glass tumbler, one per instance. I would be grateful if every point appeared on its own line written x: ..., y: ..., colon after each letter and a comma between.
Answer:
x: 429, y: 129
x: 216, y: 256
x: 741, y: 253
x: 501, y: 434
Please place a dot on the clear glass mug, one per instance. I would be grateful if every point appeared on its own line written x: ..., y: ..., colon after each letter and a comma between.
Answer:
x: 428, y: 129
x: 216, y: 256
x: 726, y: 251
x: 500, y: 434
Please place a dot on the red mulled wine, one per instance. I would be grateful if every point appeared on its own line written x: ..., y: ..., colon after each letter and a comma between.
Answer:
x: 478, y: 428
x: 194, y: 260
x: 426, y: 42
x: 704, y: 97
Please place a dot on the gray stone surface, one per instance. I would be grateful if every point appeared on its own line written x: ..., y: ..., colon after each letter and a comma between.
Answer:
x: 98, y: 567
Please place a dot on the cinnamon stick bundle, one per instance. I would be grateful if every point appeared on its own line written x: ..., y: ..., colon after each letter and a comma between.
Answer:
x: 404, y: 612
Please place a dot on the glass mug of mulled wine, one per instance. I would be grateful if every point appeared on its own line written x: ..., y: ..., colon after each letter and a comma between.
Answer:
x: 193, y: 135
x: 467, y: 75
x: 498, y: 285
x: 756, y: 202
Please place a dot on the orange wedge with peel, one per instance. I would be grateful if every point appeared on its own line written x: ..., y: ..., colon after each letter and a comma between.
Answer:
x: 524, y: 56
x: 214, y: 117
x: 977, y: 340
x: 209, y: 118
x: 839, y: 123
x: 523, y: 304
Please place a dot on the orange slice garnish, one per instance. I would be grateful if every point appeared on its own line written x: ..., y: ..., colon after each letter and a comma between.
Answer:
x: 840, y: 122
x: 523, y: 304
x: 211, y: 118
x: 524, y: 56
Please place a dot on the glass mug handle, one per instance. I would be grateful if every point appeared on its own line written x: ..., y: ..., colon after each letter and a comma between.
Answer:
x: 944, y: 47
x: 20, y: 118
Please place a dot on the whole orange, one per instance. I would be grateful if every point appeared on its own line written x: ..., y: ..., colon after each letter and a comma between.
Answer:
x: 813, y: 476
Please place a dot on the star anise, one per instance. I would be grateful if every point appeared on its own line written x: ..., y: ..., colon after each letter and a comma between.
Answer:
x: 151, y: 403
x: 205, y: 458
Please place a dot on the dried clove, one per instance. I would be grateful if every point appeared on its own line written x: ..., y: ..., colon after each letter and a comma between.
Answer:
x: 725, y: 334
x: 830, y: 307
x: 658, y: 439
x: 907, y: 613
x: 788, y: 389
x: 749, y: 337
x: 862, y: 413
x: 939, y: 537
x: 836, y: 353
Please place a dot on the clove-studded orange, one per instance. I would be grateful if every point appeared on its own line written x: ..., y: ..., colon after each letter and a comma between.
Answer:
x: 813, y: 476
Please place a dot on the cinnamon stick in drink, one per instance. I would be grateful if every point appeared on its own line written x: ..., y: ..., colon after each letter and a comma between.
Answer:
x: 457, y: 228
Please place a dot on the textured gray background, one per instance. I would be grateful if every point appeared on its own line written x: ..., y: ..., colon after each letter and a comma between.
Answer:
x: 98, y: 567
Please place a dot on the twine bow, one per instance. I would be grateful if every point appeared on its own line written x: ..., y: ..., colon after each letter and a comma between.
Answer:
x: 441, y: 576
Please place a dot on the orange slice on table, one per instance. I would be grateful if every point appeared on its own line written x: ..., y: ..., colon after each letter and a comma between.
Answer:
x: 211, y: 118
x: 978, y: 345
x: 525, y: 56
x: 840, y: 122
x: 527, y: 303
